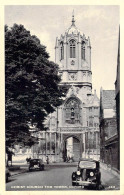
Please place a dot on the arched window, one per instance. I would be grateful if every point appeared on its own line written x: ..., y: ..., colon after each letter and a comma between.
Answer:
x: 83, y: 50
x: 72, y: 49
x: 61, y: 51
x: 72, y: 111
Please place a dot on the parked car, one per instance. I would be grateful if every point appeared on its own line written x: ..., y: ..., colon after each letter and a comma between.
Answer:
x: 7, y: 174
x: 36, y: 164
x: 88, y: 174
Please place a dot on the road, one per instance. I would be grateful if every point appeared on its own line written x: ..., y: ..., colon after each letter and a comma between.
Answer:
x: 55, y: 178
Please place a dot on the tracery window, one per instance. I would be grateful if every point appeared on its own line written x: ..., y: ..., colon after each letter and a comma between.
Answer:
x: 72, y: 49
x: 72, y: 111
x: 83, y: 50
x: 61, y: 51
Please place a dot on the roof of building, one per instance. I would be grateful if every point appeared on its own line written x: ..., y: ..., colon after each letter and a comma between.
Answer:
x: 73, y: 29
x: 92, y: 99
x: 108, y: 99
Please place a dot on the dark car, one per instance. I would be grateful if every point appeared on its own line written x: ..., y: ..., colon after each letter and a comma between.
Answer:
x: 36, y: 164
x: 88, y: 174
x: 7, y: 174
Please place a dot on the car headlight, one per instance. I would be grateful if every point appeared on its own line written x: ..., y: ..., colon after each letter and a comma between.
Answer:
x: 91, y: 174
x: 78, y: 172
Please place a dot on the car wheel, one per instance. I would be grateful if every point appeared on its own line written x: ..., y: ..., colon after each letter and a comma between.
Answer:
x: 99, y: 187
x: 41, y: 168
x: 73, y: 183
x: 30, y: 169
x: 7, y: 178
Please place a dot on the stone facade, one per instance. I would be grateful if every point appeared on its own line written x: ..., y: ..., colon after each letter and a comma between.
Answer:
x: 108, y: 129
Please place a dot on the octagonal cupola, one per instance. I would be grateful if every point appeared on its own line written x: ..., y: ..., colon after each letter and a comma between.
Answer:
x: 73, y: 54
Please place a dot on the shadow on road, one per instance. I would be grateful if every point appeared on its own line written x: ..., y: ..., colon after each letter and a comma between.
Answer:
x: 10, y: 180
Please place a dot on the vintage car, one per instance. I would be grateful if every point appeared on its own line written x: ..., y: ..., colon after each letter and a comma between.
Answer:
x: 88, y: 174
x: 7, y: 174
x: 36, y: 164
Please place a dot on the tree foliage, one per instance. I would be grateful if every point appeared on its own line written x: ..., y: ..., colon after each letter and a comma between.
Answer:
x: 32, y: 89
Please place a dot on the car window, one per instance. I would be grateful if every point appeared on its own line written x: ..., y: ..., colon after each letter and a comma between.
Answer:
x: 34, y: 161
x: 87, y: 164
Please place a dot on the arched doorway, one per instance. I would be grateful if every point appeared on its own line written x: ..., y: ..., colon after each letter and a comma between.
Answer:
x: 72, y: 148
x: 76, y: 149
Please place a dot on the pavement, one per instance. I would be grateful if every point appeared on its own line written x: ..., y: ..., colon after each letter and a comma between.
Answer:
x: 16, y: 169
x: 110, y: 170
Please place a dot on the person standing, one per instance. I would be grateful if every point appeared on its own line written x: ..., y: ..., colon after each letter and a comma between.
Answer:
x: 47, y: 159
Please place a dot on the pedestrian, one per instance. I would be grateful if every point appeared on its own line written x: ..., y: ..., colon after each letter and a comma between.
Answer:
x: 27, y: 160
x: 47, y: 159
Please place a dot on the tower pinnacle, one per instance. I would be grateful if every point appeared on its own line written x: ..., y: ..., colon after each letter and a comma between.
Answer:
x: 73, y: 21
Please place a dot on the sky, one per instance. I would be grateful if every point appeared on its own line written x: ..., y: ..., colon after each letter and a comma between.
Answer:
x: 99, y: 22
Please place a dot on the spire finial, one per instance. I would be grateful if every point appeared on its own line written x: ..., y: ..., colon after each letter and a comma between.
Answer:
x: 73, y: 21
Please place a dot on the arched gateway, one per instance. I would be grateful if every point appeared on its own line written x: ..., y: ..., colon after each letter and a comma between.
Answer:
x: 72, y: 118
x: 72, y: 147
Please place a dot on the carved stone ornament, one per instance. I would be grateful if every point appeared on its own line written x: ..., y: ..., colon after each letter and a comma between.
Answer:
x: 72, y: 76
x: 77, y: 89
x: 73, y: 62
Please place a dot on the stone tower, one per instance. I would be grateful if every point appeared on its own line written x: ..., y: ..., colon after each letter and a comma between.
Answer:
x: 75, y: 124
x: 73, y: 54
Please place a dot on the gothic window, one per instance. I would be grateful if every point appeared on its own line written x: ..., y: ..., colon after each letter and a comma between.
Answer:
x: 94, y: 140
x: 90, y: 121
x: 61, y: 51
x: 72, y: 111
x: 91, y: 140
x: 83, y: 50
x: 72, y: 49
x: 86, y: 140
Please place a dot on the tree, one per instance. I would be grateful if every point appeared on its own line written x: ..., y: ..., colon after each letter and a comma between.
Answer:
x: 32, y: 89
